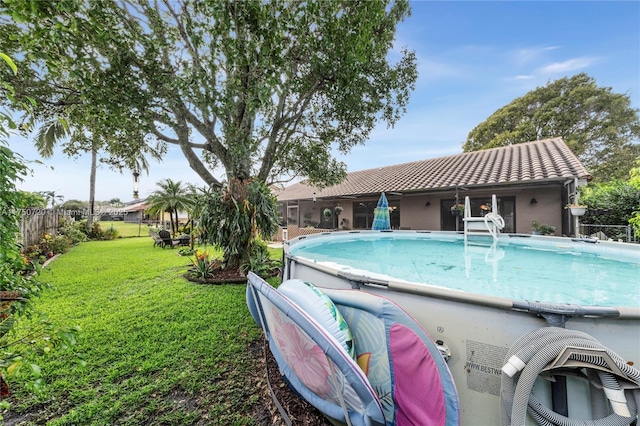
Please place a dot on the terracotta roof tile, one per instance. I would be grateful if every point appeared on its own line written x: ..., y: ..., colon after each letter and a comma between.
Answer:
x: 548, y: 159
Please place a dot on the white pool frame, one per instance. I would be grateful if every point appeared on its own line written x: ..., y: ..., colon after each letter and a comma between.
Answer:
x: 477, y: 329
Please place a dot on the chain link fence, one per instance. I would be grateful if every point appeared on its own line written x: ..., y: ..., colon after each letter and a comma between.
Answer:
x: 623, y: 233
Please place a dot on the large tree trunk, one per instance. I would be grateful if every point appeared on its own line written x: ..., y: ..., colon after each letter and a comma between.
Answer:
x: 237, y: 206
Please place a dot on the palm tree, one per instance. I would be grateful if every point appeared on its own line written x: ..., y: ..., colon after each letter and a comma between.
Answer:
x: 171, y: 198
x: 46, y: 139
x: 50, y: 196
x: 58, y: 128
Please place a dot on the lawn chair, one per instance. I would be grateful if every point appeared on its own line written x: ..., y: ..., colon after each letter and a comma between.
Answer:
x: 165, y: 236
x: 157, y: 241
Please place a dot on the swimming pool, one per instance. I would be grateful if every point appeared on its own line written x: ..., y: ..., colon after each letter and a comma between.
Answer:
x: 478, y: 299
x: 560, y: 271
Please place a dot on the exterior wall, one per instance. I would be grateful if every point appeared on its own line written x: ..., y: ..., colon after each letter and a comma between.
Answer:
x: 423, y: 211
x: 548, y: 209
x: 133, y: 217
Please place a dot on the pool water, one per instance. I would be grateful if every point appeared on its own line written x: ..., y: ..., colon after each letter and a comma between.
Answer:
x: 532, y: 271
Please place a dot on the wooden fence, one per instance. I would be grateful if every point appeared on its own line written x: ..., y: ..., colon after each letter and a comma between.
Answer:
x: 37, y: 222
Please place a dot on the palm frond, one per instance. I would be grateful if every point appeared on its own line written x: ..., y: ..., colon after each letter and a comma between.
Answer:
x: 49, y: 134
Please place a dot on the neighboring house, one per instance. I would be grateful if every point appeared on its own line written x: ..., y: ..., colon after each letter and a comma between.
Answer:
x: 532, y: 181
x: 135, y: 212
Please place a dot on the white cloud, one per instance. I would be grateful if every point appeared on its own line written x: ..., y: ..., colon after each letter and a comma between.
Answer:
x: 527, y: 55
x: 567, y: 66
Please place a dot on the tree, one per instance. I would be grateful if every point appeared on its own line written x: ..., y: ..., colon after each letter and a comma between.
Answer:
x: 238, y: 219
x: 172, y: 197
x: 264, y: 90
x: 32, y: 199
x: 599, y: 126
x: 115, y: 202
x: 19, y: 284
x: 619, y: 198
x: 57, y: 129
x: 51, y: 197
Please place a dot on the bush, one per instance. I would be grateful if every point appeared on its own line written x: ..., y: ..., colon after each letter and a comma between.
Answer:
x: 49, y: 246
x: 259, y: 261
x: 110, y: 234
x: 75, y: 231
x: 203, y: 265
x: 96, y: 233
x: 59, y: 243
x: 186, y: 251
x: 620, y: 199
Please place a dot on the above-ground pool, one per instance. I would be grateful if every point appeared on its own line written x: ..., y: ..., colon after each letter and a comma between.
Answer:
x: 478, y: 298
x: 521, y: 268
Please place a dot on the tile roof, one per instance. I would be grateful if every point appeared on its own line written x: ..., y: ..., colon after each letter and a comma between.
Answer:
x: 543, y: 160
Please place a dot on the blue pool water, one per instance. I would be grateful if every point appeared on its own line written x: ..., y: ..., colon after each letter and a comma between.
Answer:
x: 557, y: 271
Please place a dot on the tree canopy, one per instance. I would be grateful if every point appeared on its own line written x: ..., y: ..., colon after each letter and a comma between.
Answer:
x: 264, y: 90
x: 599, y: 126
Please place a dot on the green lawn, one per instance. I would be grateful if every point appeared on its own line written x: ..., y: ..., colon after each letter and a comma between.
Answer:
x: 126, y: 230
x: 159, y: 349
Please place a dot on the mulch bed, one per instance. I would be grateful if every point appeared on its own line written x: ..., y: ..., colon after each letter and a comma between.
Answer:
x: 226, y: 276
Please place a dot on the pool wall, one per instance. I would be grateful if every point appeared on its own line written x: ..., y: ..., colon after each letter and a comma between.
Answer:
x: 479, y: 330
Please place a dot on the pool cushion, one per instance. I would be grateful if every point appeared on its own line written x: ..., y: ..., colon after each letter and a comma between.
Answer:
x: 402, y: 363
x: 320, y: 307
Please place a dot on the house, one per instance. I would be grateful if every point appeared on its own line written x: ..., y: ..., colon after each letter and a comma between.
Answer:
x: 135, y: 212
x: 532, y: 181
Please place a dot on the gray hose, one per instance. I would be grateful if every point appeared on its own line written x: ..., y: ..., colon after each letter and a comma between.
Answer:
x: 519, y: 354
x: 533, y: 352
x: 599, y: 405
x: 549, y: 418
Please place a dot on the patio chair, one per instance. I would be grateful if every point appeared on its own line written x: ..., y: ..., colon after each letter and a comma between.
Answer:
x: 165, y: 236
x: 157, y: 241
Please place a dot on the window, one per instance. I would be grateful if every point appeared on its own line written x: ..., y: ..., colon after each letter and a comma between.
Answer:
x: 452, y: 220
x: 363, y: 215
x: 292, y: 215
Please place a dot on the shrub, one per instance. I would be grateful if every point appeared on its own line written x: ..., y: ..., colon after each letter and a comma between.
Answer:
x: 186, y: 251
x: 110, y: 234
x: 96, y: 233
x: 203, y: 265
x: 259, y: 261
x: 75, y: 231
x: 51, y: 245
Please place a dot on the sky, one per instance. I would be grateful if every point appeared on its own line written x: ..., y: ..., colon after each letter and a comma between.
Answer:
x: 474, y: 57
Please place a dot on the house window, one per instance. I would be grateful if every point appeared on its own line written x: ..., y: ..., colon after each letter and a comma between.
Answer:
x: 394, y: 215
x: 448, y: 220
x: 507, y: 207
x: 292, y: 215
x: 281, y: 214
x: 451, y: 221
x: 363, y: 215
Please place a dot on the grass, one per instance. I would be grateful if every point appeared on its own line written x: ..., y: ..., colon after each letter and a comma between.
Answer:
x: 158, y: 349
x: 126, y: 230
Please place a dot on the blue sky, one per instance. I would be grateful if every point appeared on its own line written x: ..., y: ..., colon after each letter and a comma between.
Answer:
x: 473, y: 58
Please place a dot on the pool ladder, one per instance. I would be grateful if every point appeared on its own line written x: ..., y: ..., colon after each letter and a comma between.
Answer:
x: 491, y: 223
